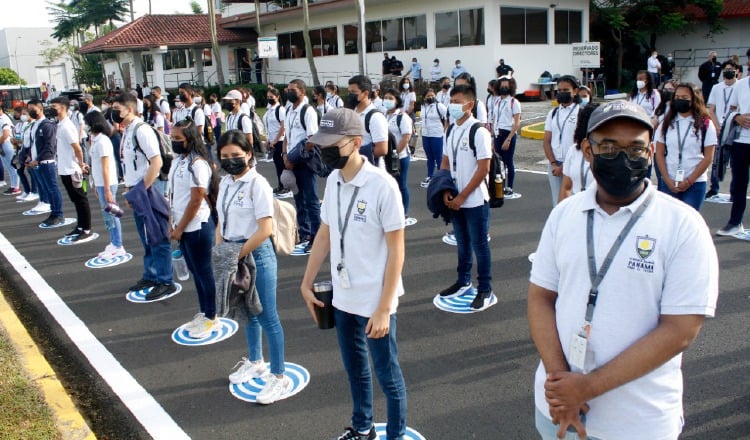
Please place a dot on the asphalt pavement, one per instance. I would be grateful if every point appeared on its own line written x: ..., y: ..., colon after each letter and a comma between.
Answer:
x: 467, y: 376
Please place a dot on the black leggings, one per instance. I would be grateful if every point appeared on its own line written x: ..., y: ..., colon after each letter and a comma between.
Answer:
x: 278, y: 160
x: 81, y: 202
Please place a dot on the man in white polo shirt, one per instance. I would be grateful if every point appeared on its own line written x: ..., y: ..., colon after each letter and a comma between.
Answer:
x: 375, y: 138
x: 363, y: 230
x: 611, y: 316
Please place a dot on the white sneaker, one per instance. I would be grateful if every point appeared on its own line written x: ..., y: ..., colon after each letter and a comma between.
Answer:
x: 32, y: 197
x: 2, y: 183
x: 730, y: 230
x: 20, y: 197
x: 247, y: 371
x: 195, y: 322
x: 276, y: 389
x: 41, y: 208
x: 203, y: 328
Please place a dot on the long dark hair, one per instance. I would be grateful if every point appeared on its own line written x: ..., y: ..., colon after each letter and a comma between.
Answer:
x: 649, y: 85
x: 662, y: 108
x: 197, y: 149
x: 582, y: 124
x: 153, y: 108
x: 235, y: 137
x: 97, y: 124
x: 698, y: 109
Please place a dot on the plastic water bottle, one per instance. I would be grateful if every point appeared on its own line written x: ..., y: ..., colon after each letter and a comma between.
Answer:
x: 180, y: 265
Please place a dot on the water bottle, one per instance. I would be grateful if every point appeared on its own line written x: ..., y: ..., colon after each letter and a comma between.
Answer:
x: 499, y: 190
x: 113, y: 209
x: 180, y: 265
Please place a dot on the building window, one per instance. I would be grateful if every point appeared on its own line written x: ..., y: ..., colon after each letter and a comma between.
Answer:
x: 206, y: 58
x: 459, y: 28
x: 148, y: 62
x: 324, y: 42
x: 175, y: 59
x: 393, y: 34
x: 415, y: 32
x: 568, y: 27
x: 523, y: 26
x: 351, y: 41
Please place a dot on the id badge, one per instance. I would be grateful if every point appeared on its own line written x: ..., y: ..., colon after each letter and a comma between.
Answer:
x: 679, y: 176
x: 577, y: 357
x: 344, y: 278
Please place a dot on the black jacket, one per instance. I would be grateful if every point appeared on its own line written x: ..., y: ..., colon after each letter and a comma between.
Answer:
x: 440, y: 182
x: 45, y: 140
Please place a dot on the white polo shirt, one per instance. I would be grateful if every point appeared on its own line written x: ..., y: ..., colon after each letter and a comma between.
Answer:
x: 181, y: 183
x: 67, y: 164
x: 185, y: 112
x: 135, y: 163
x: 506, y: 109
x: 667, y: 265
x: 691, y: 153
x: 433, y: 116
x: 377, y: 210
x: 407, y: 98
x: 721, y: 95
x: 295, y: 133
x: 465, y: 162
x: 102, y: 147
x: 443, y: 97
x: 562, y: 126
x: 241, y: 203
x: 164, y: 106
x: 273, y: 125
x: 400, y: 130
x: 378, y: 126
x: 577, y: 168
x: 741, y: 100
x: 648, y: 103
x: 240, y: 121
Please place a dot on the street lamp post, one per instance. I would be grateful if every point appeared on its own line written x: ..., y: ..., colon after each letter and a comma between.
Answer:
x: 15, y: 55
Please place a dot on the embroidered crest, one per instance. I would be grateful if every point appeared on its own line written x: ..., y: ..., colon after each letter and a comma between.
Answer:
x: 361, y: 206
x: 645, y: 246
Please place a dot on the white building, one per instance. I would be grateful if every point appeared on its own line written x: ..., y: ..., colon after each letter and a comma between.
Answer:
x: 20, y: 50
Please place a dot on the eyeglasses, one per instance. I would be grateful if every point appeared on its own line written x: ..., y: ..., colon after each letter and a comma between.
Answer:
x: 609, y: 150
x: 340, y: 146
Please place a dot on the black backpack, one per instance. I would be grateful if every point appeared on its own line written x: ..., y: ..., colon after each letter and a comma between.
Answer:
x: 165, y: 148
x: 496, y: 166
x: 392, y: 162
x: 257, y: 145
x: 208, y: 131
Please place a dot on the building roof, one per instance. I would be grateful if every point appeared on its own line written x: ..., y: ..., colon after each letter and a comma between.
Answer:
x: 174, y: 31
x: 730, y: 9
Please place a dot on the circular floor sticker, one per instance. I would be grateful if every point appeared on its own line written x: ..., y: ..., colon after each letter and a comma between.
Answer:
x: 457, y: 304
x: 32, y: 212
x: 66, y: 222
x: 101, y: 263
x: 719, y: 198
x: 248, y: 391
x: 513, y: 196
x: 286, y: 195
x: 745, y: 235
x: 532, y: 256
x: 299, y: 250
x: 410, y: 433
x: 451, y: 239
x: 224, y: 330
x: 68, y: 241
x: 411, y: 221
x: 140, y: 296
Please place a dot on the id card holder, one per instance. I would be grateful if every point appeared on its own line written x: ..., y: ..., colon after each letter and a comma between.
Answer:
x: 344, y: 277
x: 679, y: 176
x: 578, y: 347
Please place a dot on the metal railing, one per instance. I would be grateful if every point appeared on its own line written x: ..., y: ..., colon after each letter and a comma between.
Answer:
x: 695, y: 57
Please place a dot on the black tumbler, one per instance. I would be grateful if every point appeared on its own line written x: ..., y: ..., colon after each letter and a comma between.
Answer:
x: 324, y: 293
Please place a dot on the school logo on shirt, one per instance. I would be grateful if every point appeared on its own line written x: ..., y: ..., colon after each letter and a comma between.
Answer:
x: 361, y: 208
x: 240, y: 199
x: 465, y: 144
x: 644, y: 246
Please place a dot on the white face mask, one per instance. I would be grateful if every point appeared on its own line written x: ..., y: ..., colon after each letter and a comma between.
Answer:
x: 406, y: 86
x: 640, y: 84
x: 198, y: 99
x: 456, y: 111
x: 179, y: 105
x: 24, y: 118
x: 389, y: 104
x: 585, y: 101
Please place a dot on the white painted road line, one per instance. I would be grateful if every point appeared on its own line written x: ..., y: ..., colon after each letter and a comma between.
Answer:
x: 157, y: 422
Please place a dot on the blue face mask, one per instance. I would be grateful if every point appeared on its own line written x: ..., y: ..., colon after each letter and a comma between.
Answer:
x: 584, y: 101
x: 456, y: 111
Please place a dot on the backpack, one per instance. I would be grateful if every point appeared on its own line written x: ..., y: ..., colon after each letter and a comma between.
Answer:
x: 257, y: 144
x: 165, y: 147
x: 211, y: 194
x: 208, y: 130
x: 302, y: 113
x: 392, y: 162
x: 285, y: 234
x: 496, y: 167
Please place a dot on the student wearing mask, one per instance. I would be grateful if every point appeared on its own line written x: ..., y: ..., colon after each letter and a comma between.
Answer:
x: 458, y: 70
x: 708, y: 73
x: 584, y: 96
x: 190, y: 108
x: 576, y: 169
x: 21, y: 142
x: 322, y: 105
x: 375, y: 140
x: 559, y: 128
x: 434, y: 122
x: 685, y: 144
x: 162, y: 102
x: 8, y: 152
x: 479, y: 110
x: 667, y: 92
x: 436, y: 73
x: 218, y: 115
x: 653, y: 66
x: 76, y: 117
x: 43, y: 149
x: 376, y: 100
x: 331, y: 95
x: 718, y: 108
x: 105, y: 180
x: 408, y: 97
x: 245, y: 207
x: 443, y: 95
x: 236, y: 119
x: 273, y: 120
x: 645, y: 94
x: 400, y: 126
x: 152, y: 114
x: 415, y: 71
x: 491, y: 104
x: 506, y: 124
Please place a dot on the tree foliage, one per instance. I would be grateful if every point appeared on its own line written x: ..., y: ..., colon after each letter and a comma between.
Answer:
x: 196, y: 7
x: 9, y: 77
x: 73, y: 17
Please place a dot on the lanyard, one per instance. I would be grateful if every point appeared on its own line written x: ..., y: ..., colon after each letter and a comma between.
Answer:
x: 640, y: 98
x: 681, y: 143
x: 597, y: 276
x: 455, y: 145
x: 343, y: 226
x: 561, y: 128
x: 726, y: 99
x: 502, y: 105
x: 225, y: 207
x: 584, y: 174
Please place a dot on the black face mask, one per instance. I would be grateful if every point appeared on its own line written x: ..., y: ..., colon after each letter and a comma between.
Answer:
x: 430, y: 100
x: 621, y: 176
x: 179, y: 147
x: 729, y: 74
x: 682, y: 105
x: 446, y: 86
x: 228, y: 106
x: 271, y: 101
x: 117, y: 116
x: 504, y: 91
x: 292, y: 97
x: 564, y: 97
x: 83, y: 107
x: 352, y: 101
x: 33, y: 114
x: 666, y: 95
x: 333, y: 158
x: 50, y: 113
x: 183, y: 97
x: 234, y: 165
x: 713, y: 60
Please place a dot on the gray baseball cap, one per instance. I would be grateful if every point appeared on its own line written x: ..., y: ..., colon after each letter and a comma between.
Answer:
x: 336, y: 125
x: 616, y: 110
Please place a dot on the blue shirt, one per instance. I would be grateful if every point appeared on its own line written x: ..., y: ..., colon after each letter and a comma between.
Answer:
x: 416, y: 71
x: 457, y: 71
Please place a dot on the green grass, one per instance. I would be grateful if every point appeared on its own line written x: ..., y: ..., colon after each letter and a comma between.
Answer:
x: 23, y: 411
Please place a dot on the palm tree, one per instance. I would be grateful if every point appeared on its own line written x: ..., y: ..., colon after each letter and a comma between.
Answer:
x: 215, y: 43
x: 308, y: 44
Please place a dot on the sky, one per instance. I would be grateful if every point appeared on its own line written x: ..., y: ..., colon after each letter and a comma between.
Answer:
x: 33, y: 13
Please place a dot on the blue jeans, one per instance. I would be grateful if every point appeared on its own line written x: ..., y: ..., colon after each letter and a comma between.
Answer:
x: 555, y: 183
x: 740, y: 178
x: 694, y: 196
x: 470, y: 226
x: 110, y: 221
x: 402, y: 184
x: 34, y: 180
x: 268, y: 321
x: 116, y: 141
x: 354, y: 345
x: 7, y: 157
x: 548, y: 430
x: 433, y: 148
x: 157, y: 260
x: 196, y: 247
x: 307, y: 201
x: 507, y: 155
x: 47, y: 173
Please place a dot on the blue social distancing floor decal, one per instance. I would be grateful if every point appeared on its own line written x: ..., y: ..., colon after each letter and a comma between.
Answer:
x: 299, y: 249
x: 224, y: 329
x: 457, y: 304
x: 744, y: 235
x: 101, y: 263
x: 248, y: 391
x: 410, y: 433
x: 450, y: 239
x: 140, y: 296
x: 68, y: 241
x: 32, y: 212
x: 66, y: 222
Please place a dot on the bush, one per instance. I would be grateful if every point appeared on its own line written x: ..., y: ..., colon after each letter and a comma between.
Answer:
x: 9, y: 77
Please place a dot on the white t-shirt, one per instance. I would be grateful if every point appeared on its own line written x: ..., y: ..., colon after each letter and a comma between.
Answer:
x: 139, y: 106
x: 648, y: 104
x: 577, y: 168
x: 433, y: 116
x: 435, y: 73
x: 407, y: 98
x: 245, y: 108
x: 491, y: 103
x: 295, y: 133
x: 506, y: 109
x: 164, y: 106
x: 378, y: 126
x: 29, y: 138
x: 378, y: 103
x: 377, y: 210
x: 653, y: 64
x: 77, y: 119
x: 6, y: 125
x: 199, y: 118
x: 158, y: 121
x: 273, y: 125
x: 464, y: 165
x: 741, y: 100
x: 691, y: 153
x: 667, y: 265
x: 235, y: 119
x: 721, y: 95
x: 216, y: 110
x: 102, y: 147
x: 181, y: 183
x: 239, y: 209
x: 135, y: 163
x: 67, y: 164
x: 400, y: 131
x: 563, y: 127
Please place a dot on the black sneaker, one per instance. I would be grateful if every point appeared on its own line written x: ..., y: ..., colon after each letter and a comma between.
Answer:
x: 82, y: 237
x: 74, y: 232
x: 161, y: 290
x: 711, y: 193
x: 309, y: 246
x: 142, y: 284
x: 352, y: 434
x: 455, y: 290
x: 52, y: 221
x: 9, y: 191
x: 483, y: 300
